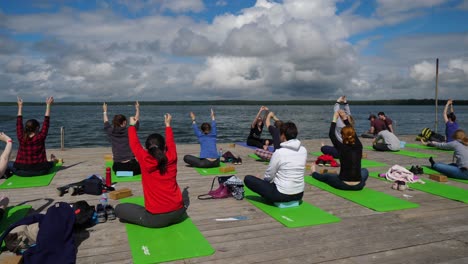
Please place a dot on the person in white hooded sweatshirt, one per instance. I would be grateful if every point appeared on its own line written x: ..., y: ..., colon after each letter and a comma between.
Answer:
x: 284, y: 178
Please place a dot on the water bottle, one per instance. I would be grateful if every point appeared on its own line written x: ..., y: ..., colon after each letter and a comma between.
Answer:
x: 108, y: 178
x: 103, y: 200
x: 220, y: 152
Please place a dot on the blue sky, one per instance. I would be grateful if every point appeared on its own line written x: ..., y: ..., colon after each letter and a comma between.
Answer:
x: 220, y: 49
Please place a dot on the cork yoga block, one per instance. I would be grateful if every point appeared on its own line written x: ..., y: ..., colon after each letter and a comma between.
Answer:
x: 329, y: 171
x: 438, y: 177
x: 227, y: 169
x: 121, y: 193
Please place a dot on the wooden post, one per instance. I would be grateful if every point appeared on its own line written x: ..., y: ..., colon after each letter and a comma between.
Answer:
x: 436, y: 93
x: 62, y: 138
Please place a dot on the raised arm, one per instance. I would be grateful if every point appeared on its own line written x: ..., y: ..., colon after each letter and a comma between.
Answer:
x: 170, y: 143
x: 137, y: 110
x: 331, y: 132
x: 20, y: 106
x: 254, y: 122
x: 49, y: 102
x: 449, y: 102
x: 6, y: 152
x: 267, y: 120
x: 134, y: 141
x: 212, y: 115
x: 104, y: 112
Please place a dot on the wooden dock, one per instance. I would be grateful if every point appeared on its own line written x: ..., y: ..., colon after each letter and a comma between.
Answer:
x: 436, y: 232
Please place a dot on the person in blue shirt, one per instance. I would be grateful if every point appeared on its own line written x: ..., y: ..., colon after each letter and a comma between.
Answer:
x: 206, y: 134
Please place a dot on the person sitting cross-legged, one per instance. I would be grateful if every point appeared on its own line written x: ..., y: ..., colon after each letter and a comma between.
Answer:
x: 283, y: 180
x: 209, y: 156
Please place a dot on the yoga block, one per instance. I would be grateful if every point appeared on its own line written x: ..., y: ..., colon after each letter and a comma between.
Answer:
x: 232, y: 145
x: 124, y: 173
x: 119, y: 194
x: 227, y: 169
x: 328, y: 171
x: 307, y: 167
x: 108, y: 157
x: 438, y: 177
x: 364, y: 155
x: 287, y: 204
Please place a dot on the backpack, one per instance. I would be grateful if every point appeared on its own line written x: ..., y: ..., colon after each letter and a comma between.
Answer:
x: 83, y: 214
x: 428, y: 135
x: 55, y: 240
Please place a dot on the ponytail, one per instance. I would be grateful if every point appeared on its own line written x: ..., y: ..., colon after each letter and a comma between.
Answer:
x: 156, y: 146
x: 348, y: 134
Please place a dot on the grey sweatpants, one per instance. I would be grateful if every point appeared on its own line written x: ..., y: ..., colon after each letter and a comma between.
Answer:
x: 137, y: 214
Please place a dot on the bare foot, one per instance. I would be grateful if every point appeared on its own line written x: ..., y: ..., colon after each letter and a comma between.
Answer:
x: 4, y: 137
x: 4, y: 202
x: 312, y: 168
x: 323, y: 144
x: 53, y: 158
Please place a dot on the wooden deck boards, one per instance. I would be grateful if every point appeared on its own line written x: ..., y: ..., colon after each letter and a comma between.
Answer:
x: 436, y: 232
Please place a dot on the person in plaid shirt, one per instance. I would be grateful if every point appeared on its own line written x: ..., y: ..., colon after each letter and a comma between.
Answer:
x: 31, y: 159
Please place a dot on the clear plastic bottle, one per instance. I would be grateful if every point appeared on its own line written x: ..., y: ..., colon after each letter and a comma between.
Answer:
x: 103, y: 200
x: 220, y: 152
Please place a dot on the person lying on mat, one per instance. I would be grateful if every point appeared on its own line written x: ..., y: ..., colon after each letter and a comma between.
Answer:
x: 124, y: 160
x: 351, y: 176
x: 5, y: 157
x: 331, y: 150
x: 209, y: 156
x: 283, y: 180
x: 274, y: 130
x: 386, y: 141
x: 450, y: 124
x: 256, y: 128
x: 164, y: 205
x: 31, y: 159
x: 459, y: 144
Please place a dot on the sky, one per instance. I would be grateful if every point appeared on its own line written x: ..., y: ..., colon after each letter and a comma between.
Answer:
x: 170, y: 50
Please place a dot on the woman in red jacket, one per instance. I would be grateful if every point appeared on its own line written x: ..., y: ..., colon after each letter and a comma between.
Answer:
x: 158, y: 162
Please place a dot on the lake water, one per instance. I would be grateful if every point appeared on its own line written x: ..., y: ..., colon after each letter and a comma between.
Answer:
x: 83, y: 123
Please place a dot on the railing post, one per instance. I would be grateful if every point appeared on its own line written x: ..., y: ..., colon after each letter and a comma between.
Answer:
x: 62, y: 138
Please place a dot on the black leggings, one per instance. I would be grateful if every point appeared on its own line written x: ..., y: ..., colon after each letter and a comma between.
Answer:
x: 131, y: 165
x: 200, y: 163
x: 259, y: 143
x: 381, y: 147
x: 269, y: 191
x: 34, y: 169
x: 137, y: 214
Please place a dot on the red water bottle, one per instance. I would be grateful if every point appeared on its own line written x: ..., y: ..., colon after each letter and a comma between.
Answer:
x: 108, y: 177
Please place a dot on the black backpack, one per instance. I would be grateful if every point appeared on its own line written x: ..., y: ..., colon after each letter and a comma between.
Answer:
x: 83, y: 214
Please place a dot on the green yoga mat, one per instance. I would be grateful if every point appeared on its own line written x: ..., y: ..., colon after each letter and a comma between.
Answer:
x: 436, y: 188
x: 406, y: 153
x: 365, y: 163
x: 213, y: 171
x: 303, y: 215
x: 155, y: 245
x: 372, y: 199
x: 257, y: 158
x: 12, y: 215
x: 15, y: 182
x: 114, y: 177
x: 429, y: 170
x: 420, y: 146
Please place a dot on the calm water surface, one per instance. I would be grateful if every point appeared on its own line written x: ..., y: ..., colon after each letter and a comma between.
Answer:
x: 84, y: 126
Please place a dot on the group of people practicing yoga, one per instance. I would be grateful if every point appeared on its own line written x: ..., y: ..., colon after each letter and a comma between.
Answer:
x: 283, y: 180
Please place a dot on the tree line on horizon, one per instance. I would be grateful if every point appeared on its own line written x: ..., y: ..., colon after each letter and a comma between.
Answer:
x: 261, y: 102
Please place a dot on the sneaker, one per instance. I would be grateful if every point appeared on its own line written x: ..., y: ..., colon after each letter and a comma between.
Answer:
x: 61, y: 191
x: 239, y: 161
x: 101, y: 213
x: 110, y: 212
x: 320, y: 163
x: 413, y: 169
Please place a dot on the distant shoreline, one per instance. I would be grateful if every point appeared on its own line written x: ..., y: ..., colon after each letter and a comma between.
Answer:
x: 260, y: 102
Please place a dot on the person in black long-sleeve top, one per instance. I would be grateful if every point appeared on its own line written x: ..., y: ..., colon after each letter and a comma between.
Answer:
x: 352, y: 176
